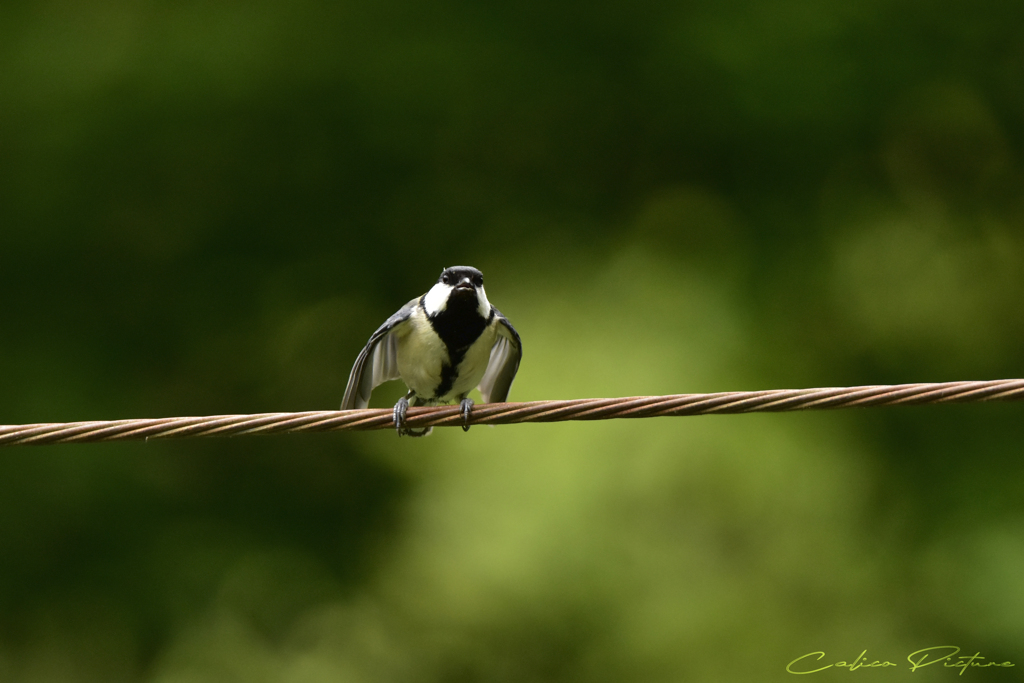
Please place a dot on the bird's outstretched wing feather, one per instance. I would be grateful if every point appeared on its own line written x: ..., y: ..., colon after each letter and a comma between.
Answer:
x: 377, y: 362
x: 504, y: 362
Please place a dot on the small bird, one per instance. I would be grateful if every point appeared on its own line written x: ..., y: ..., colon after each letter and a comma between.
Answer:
x: 442, y: 345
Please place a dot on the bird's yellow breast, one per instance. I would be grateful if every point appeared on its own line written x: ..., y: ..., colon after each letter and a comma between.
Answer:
x: 421, y: 355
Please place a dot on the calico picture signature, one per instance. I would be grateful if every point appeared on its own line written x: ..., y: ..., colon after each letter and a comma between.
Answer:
x: 945, y: 655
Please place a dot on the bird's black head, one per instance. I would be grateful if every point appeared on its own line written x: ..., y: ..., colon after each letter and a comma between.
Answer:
x: 464, y: 278
x: 459, y: 288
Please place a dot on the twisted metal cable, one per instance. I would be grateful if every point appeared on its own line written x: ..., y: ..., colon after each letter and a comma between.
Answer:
x: 507, y: 413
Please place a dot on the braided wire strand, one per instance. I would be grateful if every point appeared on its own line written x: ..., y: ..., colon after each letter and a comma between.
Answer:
x: 780, y: 400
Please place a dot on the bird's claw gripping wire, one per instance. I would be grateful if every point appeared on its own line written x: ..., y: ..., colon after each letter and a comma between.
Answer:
x: 399, y: 416
x: 466, y: 407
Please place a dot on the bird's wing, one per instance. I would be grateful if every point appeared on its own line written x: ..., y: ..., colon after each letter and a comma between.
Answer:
x: 378, y: 361
x: 504, y: 362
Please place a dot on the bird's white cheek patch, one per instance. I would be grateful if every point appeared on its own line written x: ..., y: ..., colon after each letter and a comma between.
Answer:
x: 483, y: 305
x: 437, y: 298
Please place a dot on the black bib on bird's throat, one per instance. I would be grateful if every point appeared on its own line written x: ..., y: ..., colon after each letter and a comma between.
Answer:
x: 458, y: 326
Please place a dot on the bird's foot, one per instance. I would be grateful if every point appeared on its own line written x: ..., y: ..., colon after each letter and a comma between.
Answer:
x: 399, y: 416
x: 466, y: 406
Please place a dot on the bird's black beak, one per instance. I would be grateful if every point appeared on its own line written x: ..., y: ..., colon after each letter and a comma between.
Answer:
x: 465, y: 286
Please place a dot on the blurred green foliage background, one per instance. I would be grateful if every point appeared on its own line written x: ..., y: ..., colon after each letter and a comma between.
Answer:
x: 208, y: 207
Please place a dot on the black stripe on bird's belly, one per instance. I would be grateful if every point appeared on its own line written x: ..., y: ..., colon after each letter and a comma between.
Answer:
x: 458, y: 326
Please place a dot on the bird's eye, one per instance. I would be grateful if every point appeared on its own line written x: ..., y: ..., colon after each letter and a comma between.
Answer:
x: 478, y: 281
x: 444, y: 278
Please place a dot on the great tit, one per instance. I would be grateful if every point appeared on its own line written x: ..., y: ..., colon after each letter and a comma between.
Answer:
x: 442, y: 345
